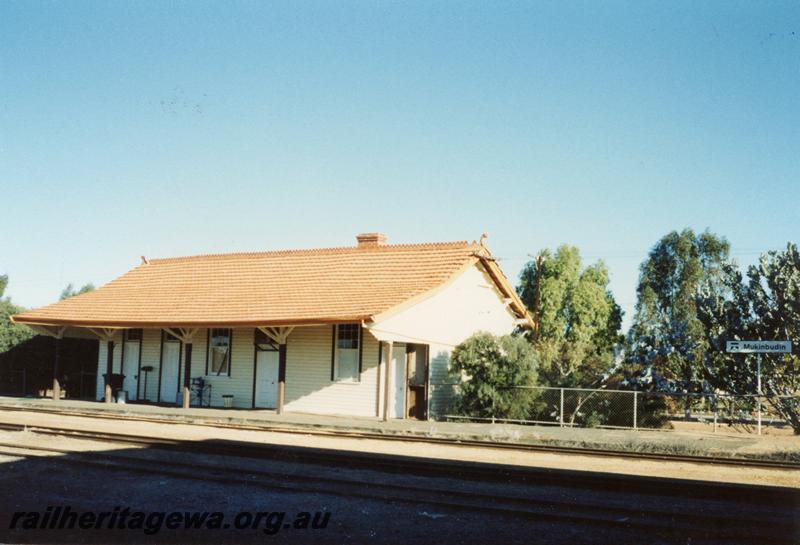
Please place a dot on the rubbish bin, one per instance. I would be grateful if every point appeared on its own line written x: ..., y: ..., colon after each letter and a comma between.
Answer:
x: 227, y: 401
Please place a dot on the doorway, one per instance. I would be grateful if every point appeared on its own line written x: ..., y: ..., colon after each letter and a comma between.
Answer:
x: 130, y: 369
x: 399, y: 380
x: 170, y: 368
x: 410, y: 381
x: 417, y: 373
x: 266, y: 379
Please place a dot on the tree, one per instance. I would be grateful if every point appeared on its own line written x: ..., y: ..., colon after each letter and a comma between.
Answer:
x: 666, y: 340
x: 11, y: 334
x: 578, y: 321
x: 69, y: 291
x: 774, y: 291
x: 492, y: 367
x: 725, y: 312
x: 765, y: 306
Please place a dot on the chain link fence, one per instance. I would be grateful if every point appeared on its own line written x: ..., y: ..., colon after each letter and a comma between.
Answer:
x: 627, y: 409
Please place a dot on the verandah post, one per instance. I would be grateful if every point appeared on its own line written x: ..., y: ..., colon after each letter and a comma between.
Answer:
x: 386, y: 380
x: 281, y: 376
x: 187, y: 376
x: 57, y: 371
x: 109, y: 369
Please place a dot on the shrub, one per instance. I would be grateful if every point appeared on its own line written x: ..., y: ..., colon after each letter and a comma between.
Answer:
x: 492, y: 367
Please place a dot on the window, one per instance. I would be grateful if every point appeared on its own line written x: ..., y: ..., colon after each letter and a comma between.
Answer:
x: 346, y: 352
x: 133, y: 334
x: 218, y: 359
x: 169, y: 337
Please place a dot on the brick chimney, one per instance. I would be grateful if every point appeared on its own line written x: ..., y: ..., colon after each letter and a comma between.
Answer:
x: 371, y: 240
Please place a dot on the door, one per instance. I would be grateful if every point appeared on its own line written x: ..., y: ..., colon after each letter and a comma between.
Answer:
x: 417, y: 365
x: 130, y: 368
x: 399, y: 380
x: 170, y: 358
x: 266, y: 379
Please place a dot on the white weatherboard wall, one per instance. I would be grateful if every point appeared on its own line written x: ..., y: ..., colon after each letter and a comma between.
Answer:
x: 151, y: 353
x: 240, y: 382
x: 468, y: 304
x: 308, y: 375
x: 102, y: 363
x: 308, y: 371
x: 150, y: 347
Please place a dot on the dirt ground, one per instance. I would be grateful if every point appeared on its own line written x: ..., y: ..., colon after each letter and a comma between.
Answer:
x: 626, y: 466
x: 738, y: 429
x: 32, y: 484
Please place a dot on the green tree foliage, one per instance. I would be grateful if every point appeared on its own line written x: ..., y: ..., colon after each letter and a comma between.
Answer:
x: 725, y: 314
x: 69, y: 291
x: 765, y: 306
x: 579, y: 321
x: 491, y: 367
x: 11, y: 334
x: 666, y: 340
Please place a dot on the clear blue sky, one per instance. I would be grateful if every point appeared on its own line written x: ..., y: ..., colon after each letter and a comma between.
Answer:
x: 170, y: 128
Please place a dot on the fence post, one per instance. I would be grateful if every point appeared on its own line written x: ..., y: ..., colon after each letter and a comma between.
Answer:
x: 758, y: 398
x: 561, y: 409
x: 716, y: 410
x: 635, y: 409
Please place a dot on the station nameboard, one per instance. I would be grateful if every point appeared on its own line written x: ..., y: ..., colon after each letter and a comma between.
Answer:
x: 759, y: 347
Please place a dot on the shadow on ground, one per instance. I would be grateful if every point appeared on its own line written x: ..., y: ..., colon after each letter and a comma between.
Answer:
x: 230, y: 492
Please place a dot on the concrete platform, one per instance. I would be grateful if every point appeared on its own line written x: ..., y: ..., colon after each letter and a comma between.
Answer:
x: 667, y: 442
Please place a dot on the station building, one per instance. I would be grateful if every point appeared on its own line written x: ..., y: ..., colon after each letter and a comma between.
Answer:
x: 365, y: 330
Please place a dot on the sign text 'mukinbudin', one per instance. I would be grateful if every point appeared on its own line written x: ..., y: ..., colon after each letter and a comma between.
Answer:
x: 759, y: 347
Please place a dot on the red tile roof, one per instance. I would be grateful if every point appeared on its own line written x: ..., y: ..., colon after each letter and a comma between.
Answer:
x: 271, y: 288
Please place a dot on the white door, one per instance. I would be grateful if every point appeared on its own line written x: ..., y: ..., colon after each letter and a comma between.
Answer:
x: 169, y: 371
x: 399, y: 380
x: 266, y: 379
x: 130, y: 368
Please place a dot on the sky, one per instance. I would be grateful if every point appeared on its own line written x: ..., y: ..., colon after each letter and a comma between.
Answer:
x: 178, y: 128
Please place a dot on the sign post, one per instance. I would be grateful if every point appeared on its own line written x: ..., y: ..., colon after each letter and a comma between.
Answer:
x: 758, y: 348
x: 758, y: 389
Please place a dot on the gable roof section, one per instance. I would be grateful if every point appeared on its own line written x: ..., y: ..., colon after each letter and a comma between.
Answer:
x: 272, y: 288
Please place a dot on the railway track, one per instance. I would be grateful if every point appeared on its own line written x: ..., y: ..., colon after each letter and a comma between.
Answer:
x: 716, y: 520
x: 395, y: 463
x: 354, y: 434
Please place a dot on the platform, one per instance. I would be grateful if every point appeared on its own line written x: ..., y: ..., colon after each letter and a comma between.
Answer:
x: 667, y: 442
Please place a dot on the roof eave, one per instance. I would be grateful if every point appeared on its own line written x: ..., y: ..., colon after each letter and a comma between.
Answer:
x: 505, y: 287
x: 149, y: 324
